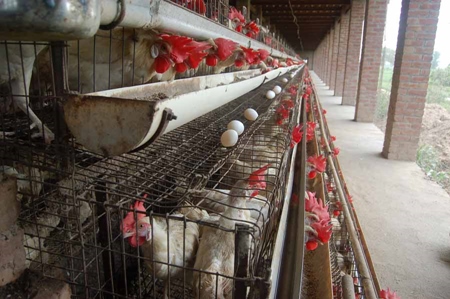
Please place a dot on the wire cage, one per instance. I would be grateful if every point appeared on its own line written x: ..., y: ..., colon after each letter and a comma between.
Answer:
x: 343, y: 260
x: 73, y: 201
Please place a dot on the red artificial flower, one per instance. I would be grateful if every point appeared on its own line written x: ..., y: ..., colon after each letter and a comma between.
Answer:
x: 324, y: 111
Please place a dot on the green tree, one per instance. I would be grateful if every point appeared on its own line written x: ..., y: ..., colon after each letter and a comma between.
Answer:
x: 390, y: 56
x: 435, y: 61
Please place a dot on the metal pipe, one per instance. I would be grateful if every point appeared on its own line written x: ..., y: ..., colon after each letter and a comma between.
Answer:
x: 366, y: 276
x: 348, y: 288
x: 289, y: 284
x: 167, y: 16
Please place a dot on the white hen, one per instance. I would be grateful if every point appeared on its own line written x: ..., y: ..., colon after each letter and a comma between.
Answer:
x: 215, y: 256
x: 16, y: 68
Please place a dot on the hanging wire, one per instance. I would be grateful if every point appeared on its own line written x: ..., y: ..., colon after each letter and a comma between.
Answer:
x: 296, y: 24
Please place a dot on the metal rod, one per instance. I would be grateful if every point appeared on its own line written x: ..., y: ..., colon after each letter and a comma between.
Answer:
x: 170, y: 17
x: 348, y: 288
x: 290, y: 281
x: 108, y: 263
x: 241, y: 259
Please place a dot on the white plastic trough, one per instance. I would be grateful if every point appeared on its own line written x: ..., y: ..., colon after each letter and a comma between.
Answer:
x: 118, y: 121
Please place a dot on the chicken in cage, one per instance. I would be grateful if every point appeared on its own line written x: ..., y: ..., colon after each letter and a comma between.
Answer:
x: 174, y: 213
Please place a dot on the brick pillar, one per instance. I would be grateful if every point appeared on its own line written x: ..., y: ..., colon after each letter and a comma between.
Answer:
x: 417, y: 32
x: 330, y: 55
x: 353, y: 53
x: 342, y: 54
x: 366, y: 100
x: 321, y: 57
x: 334, y: 59
x: 324, y: 58
x: 318, y: 57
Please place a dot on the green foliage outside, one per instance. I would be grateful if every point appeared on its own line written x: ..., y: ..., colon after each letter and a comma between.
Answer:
x: 438, y: 86
x: 428, y: 157
x: 428, y: 160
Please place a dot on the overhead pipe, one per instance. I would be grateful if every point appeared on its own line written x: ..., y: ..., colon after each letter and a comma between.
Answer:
x: 168, y: 16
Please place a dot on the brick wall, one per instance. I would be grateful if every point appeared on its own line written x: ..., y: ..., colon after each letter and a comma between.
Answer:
x: 342, y: 53
x: 334, y: 57
x: 417, y: 32
x: 327, y: 79
x: 375, y: 19
x: 351, y: 76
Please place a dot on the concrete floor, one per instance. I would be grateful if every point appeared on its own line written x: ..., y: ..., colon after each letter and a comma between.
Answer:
x: 404, y: 216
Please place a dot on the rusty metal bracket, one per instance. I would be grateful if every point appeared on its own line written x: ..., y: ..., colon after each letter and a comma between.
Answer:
x: 167, y: 116
x: 241, y: 259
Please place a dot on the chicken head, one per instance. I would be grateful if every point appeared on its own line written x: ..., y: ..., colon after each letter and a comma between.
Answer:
x: 136, y: 229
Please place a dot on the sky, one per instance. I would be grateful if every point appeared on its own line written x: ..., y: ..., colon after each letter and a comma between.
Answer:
x: 442, y: 43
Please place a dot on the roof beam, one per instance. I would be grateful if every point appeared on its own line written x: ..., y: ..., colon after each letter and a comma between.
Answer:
x: 299, y: 12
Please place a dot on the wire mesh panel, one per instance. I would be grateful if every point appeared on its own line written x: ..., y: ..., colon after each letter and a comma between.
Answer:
x: 343, y: 260
x: 75, y: 203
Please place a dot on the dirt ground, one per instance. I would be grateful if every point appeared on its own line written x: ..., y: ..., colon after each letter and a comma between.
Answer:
x: 435, y: 132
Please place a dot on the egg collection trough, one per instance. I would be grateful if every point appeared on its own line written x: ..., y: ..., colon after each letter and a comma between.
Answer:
x: 118, y: 121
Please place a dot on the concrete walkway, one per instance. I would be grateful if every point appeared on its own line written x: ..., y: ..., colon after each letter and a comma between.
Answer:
x: 404, y: 216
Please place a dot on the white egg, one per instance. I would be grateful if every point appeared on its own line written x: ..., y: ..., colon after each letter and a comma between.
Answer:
x: 251, y: 114
x: 229, y: 138
x: 292, y: 75
x: 236, y: 125
x: 270, y: 94
x: 277, y: 89
x: 285, y: 80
